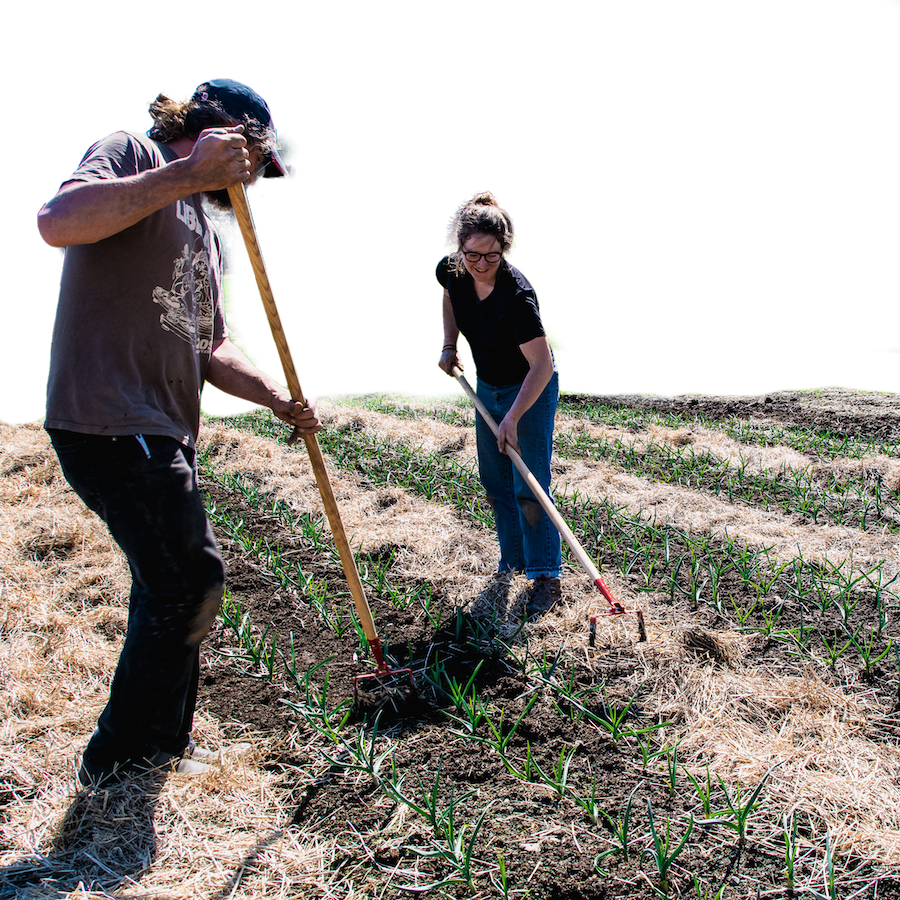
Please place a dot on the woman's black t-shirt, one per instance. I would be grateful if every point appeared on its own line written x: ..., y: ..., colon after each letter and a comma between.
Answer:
x: 496, y: 326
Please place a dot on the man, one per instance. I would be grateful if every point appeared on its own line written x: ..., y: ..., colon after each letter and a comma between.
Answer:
x: 139, y: 330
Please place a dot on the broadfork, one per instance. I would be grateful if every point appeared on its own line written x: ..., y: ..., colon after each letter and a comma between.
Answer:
x: 241, y: 206
x: 615, y: 608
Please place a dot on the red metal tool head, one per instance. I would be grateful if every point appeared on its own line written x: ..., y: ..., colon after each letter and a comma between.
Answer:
x: 386, y: 681
x: 615, y: 608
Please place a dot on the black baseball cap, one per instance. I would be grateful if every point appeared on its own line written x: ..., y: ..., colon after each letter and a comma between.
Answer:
x: 239, y: 100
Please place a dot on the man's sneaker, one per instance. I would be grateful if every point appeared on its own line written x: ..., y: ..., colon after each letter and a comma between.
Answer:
x: 197, y: 760
x: 201, y: 755
x: 545, y: 591
x: 188, y: 766
x: 95, y: 777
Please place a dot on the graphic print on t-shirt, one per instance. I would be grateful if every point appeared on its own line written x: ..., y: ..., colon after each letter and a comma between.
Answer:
x: 187, y: 307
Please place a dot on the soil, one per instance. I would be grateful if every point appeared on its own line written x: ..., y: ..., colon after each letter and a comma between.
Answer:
x: 552, y: 849
x: 872, y: 415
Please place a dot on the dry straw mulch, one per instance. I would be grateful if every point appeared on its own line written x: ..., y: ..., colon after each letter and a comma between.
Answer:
x: 64, y: 588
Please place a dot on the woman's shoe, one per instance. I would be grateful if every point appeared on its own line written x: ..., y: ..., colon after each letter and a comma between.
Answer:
x: 545, y: 591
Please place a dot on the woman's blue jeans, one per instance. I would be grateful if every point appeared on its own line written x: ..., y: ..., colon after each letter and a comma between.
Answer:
x: 529, y: 541
x: 146, y: 492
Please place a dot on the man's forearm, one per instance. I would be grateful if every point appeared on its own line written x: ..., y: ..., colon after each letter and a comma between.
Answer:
x: 89, y: 211
x: 230, y: 371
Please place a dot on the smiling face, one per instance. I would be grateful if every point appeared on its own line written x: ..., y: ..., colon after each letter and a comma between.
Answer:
x: 482, y: 270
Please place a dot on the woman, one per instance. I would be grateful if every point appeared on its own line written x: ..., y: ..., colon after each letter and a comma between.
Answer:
x: 496, y: 309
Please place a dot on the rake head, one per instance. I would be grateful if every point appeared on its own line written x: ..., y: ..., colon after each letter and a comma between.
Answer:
x: 384, y: 680
x: 391, y: 689
x: 616, y: 609
x: 385, y: 687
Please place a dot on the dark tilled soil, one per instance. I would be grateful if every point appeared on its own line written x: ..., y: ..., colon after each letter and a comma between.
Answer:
x: 872, y: 415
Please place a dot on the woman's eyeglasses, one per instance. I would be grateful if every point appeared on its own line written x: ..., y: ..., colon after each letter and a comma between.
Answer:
x: 473, y: 257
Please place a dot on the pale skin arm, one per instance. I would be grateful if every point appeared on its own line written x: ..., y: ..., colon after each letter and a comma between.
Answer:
x: 89, y: 211
x: 540, y: 361
x: 230, y: 371
x: 449, y: 358
x: 540, y: 371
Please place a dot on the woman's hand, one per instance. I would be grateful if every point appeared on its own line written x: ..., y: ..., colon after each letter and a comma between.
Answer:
x: 508, y: 434
x: 449, y: 359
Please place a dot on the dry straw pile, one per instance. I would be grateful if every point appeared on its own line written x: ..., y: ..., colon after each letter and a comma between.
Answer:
x: 64, y: 590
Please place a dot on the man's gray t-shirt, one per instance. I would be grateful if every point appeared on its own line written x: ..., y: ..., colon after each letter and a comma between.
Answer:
x: 139, y: 312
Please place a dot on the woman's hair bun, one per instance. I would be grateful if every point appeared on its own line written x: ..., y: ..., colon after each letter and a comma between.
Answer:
x: 485, y: 198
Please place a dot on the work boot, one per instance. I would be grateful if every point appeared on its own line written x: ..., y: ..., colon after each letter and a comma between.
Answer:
x: 545, y: 591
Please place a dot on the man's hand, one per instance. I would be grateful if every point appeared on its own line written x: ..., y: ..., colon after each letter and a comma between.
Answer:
x: 304, y: 417
x: 219, y: 159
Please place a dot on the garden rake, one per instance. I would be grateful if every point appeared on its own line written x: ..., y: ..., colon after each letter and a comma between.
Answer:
x: 615, y: 608
x: 384, y: 676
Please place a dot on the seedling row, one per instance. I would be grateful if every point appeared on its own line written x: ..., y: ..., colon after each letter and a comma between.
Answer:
x: 828, y: 613
x: 545, y: 727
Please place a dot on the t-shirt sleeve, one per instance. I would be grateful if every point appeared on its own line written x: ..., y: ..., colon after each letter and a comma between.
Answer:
x: 117, y: 155
x: 527, y: 321
x: 442, y: 272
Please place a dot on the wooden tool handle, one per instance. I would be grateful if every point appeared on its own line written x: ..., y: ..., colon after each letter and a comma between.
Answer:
x: 238, y: 195
x: 539, y: 493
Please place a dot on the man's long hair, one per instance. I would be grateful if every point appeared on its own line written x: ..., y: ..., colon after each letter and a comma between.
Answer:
x: 173, y: 120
